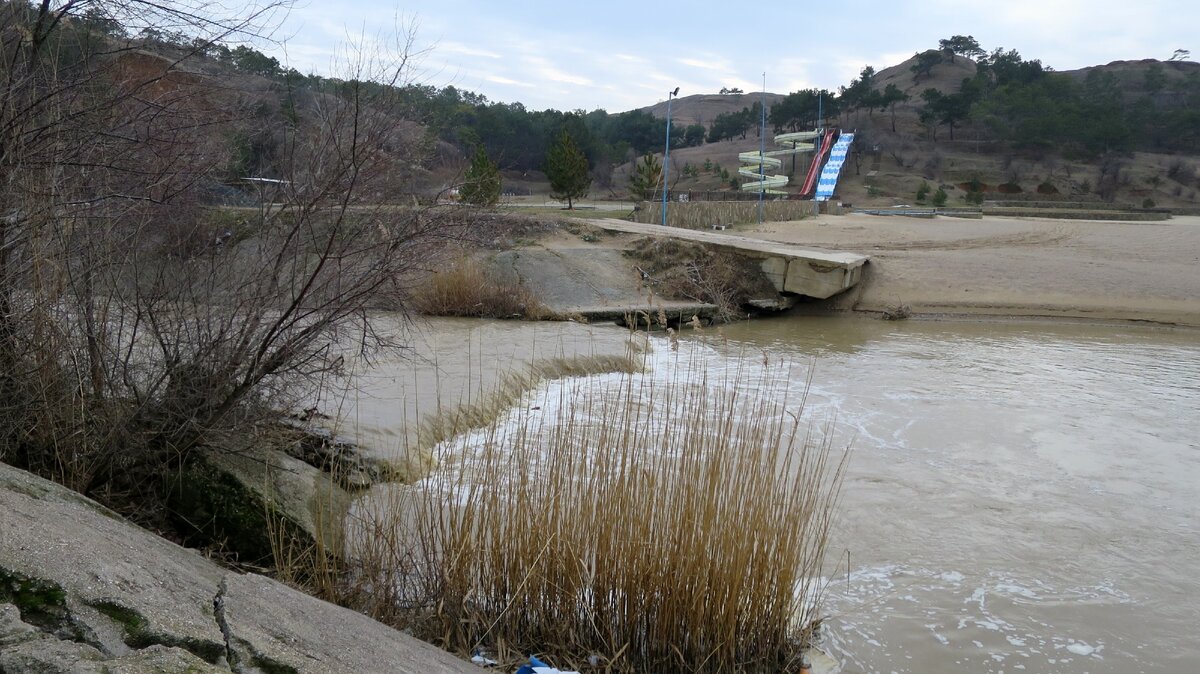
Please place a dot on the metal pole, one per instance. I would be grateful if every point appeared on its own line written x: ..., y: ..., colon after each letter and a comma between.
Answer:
x: 667, y: 157
x: 762, y: 150
x: 820, y: 137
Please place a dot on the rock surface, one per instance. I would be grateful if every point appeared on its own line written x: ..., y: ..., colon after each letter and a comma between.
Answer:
x: 82, y: 590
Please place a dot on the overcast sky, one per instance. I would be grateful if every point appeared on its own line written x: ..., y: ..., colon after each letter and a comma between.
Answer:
x: 623, y: 54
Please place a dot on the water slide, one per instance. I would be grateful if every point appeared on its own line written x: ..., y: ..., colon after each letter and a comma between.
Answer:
x: 833, y: 167
x: 756, y: 164
x: 814, y: 169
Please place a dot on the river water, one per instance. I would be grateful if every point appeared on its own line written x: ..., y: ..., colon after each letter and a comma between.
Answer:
x: 1020, y: 497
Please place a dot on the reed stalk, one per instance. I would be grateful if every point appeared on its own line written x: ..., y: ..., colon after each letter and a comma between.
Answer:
x: 671, y: 524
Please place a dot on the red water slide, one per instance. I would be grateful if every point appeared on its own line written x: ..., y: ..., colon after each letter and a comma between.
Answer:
x: 814, y: 169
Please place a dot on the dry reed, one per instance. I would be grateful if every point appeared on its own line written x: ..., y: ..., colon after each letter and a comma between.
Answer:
x: 469, y: 288
x: 673, y: 525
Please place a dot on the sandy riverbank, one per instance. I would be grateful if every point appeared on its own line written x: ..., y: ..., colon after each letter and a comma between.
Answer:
x: 1014, y: 267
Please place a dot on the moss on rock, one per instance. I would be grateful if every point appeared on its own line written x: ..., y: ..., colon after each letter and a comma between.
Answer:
x: 41, y: 602
x: 211, y: 508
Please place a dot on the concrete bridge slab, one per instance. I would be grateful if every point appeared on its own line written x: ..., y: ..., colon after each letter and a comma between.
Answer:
x: 800, y: 271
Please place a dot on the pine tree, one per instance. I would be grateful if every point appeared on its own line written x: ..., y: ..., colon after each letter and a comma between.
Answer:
x: 567, y: 169
x: 481, y: 184
x: 646, y: 179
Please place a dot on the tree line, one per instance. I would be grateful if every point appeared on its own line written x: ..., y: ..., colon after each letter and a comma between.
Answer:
x: 1009, y: 98
x: 1028, y: 105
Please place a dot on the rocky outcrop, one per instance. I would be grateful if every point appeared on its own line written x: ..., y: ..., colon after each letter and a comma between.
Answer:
x: 82, y: 590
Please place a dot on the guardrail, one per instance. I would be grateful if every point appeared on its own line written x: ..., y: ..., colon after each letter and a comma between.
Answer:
x: 923, y: 212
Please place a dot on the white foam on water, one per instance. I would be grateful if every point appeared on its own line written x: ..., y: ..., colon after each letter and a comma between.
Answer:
x: 993, y: 627
x: 1080, y: 648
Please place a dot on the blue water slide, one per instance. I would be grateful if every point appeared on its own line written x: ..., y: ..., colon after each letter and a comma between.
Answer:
x: 833, y: 167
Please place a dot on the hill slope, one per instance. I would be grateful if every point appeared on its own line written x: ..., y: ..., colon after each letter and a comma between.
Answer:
x: 704, y: 108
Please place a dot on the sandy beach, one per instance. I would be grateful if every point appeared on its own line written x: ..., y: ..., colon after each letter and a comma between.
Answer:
x: 996, y: 266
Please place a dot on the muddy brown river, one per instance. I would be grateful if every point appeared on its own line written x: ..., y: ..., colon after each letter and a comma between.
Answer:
x: 1020, y: 497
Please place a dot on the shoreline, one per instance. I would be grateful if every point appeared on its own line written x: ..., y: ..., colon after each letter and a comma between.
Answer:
x: 940, y: 268
x: 963, y: 315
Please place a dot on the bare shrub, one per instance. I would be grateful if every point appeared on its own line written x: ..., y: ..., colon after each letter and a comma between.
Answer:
x: 1110, y: 177
x: 1052, y: 165
x: 1016, y: 172
x: 933, y: 165
x: 901, y: 155
x: 1181, y: 171
x: 131, y: 326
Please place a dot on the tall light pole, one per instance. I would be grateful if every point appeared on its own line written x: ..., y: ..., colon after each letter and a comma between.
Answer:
x: 762, y: 150
x: 667, y: 156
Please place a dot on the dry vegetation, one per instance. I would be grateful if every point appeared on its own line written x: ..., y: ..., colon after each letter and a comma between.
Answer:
x: 667, y: 527
x: 468, y: 287
x: 134, y: 324
x: 691, y: 271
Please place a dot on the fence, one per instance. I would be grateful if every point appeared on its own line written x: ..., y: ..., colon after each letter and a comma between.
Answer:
x: 707, y: 214
x: 680, y: 196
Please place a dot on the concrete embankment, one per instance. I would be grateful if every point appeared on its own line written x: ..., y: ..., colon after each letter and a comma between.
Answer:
x: 592, y: 280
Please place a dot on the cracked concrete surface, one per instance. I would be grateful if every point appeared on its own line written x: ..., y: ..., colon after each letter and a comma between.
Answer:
x: 111, y: 597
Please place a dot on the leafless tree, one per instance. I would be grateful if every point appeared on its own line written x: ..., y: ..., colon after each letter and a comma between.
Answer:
x: 134, y: 319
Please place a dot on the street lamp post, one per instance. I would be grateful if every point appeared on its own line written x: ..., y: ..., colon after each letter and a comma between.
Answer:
x: 762, y: 150
x: 667, y: 156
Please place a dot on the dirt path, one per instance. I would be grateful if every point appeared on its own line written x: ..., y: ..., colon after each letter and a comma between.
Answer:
x: 1014, y: 267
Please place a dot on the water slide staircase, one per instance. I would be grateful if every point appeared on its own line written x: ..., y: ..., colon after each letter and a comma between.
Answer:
x: 756, y: 164
x: 833, y: 167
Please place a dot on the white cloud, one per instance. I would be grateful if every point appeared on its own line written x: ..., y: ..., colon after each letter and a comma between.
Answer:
x: 499, y: 79
x: 459, y: 48
x: 552, y: 73
x: 569, y: 60
x: 714, y: 66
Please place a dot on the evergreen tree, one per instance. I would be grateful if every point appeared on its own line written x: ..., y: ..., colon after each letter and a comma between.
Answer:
x: 922, y: 192
x: 567, y: 169
x: 963, y: 45
x: 890, y: 97
x: 481, y: 184
x: 924, y: 64
x: 646, y: 179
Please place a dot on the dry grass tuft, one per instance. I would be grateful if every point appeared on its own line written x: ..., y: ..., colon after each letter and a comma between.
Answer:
x: 632, y: 527
x: 469, y: 288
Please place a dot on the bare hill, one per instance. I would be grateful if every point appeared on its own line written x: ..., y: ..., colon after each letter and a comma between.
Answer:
x: 946, y: 76
x: 704, y: 108
x: 1131, y: 77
